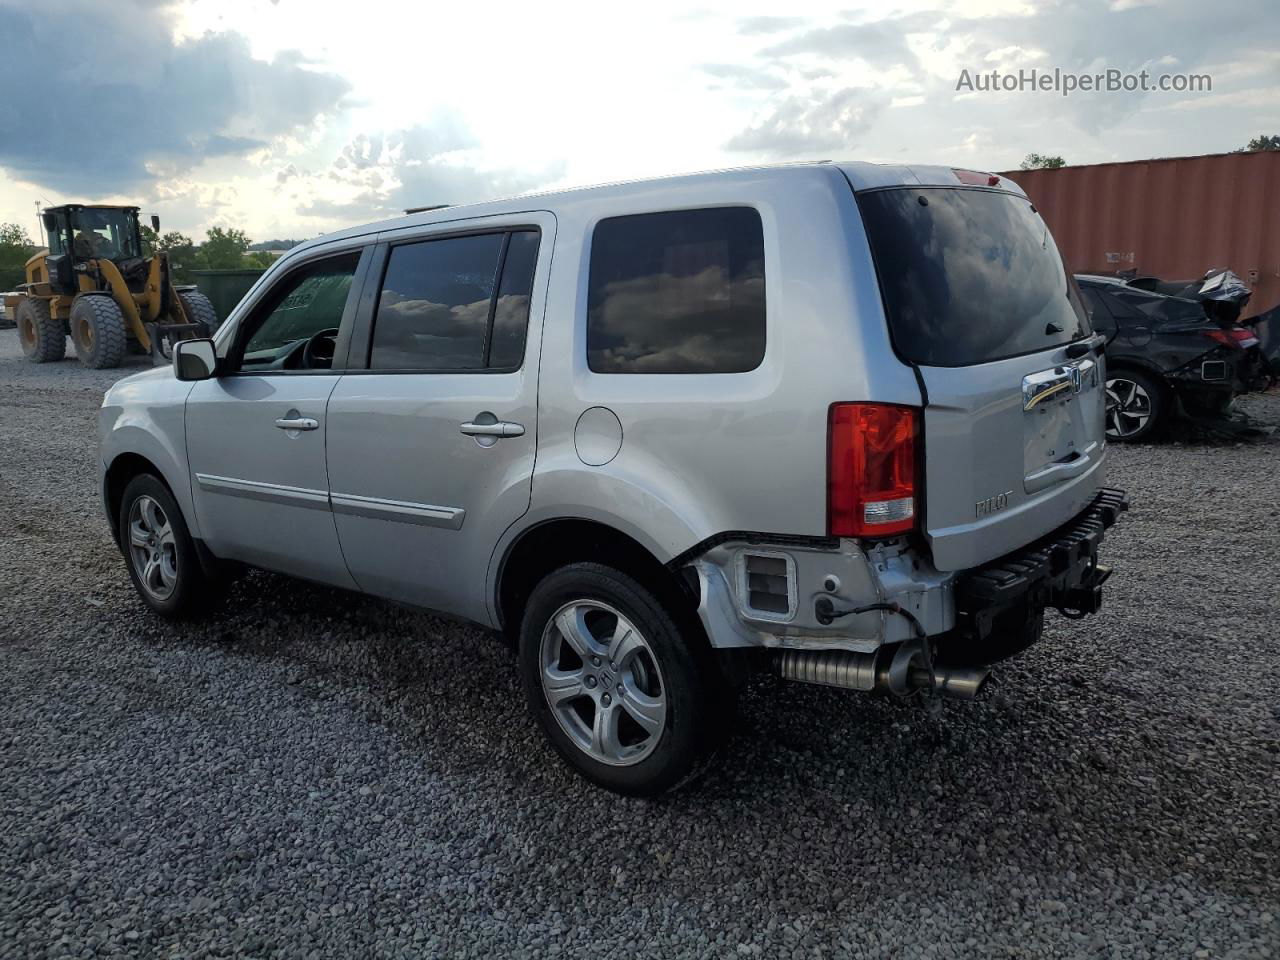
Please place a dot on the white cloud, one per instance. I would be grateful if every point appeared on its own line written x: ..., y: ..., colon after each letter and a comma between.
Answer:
x: 297, y: 117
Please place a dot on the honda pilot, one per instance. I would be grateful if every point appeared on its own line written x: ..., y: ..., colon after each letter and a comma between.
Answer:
x: 840, y: 422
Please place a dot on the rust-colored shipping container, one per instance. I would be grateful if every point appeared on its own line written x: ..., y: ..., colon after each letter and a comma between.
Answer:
x: 1173, y: 218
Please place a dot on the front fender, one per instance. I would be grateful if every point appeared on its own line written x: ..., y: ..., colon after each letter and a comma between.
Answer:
x: 145, y: 415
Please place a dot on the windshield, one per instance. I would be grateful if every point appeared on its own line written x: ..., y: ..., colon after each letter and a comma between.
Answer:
x: 106, y: 234
x: 969, y: 276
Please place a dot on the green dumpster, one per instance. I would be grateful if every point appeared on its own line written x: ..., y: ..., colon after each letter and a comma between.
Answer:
x: 225, y: 288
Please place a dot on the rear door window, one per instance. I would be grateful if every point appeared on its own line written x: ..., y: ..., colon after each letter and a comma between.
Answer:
x: 456, y: 303
x: 677, y: 292
x: 969, y: 276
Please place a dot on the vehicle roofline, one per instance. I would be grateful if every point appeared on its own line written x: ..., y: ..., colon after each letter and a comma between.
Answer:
x: 860, y: 174
x: 91, y: 206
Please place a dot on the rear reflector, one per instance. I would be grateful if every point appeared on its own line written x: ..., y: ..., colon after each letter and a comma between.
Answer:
x: 871, y: 467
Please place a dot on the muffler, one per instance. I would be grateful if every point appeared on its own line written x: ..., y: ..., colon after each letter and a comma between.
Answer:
x: 899, y: 670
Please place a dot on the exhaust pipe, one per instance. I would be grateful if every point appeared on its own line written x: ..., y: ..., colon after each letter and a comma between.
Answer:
x: 899, y: 671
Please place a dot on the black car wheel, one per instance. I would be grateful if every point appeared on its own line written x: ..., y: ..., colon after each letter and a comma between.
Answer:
x: 1135, y: 405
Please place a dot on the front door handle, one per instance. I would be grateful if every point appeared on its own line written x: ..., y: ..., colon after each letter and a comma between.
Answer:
x: 297, y: 423
x: 499, y: 428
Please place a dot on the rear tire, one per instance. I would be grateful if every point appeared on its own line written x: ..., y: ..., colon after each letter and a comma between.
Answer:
x: 199, y: 309
x: 43, y: 336
x: 97, y: 330
x: 1136, y: 405
x: 640, y: 724
x: 160, y: 552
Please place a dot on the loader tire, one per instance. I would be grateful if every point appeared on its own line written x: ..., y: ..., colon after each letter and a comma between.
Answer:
x: 97, y: 330
x: 43, y: 336
x: 199, y: 309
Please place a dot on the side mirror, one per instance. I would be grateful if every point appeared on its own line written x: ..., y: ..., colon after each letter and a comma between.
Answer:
x: 50, y: 222
x: 194, y: 359
x: 155, y: 222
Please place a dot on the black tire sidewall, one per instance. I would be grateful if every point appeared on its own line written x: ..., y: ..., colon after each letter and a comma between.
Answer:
x: 691, y: 685
x: 1155, y: 390
x: 199, y: 308
x: 49, y: 341
x: 190, y: 595
x: 108, y: 324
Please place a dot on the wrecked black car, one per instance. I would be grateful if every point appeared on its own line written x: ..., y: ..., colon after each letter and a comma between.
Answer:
x: 1166, y: 355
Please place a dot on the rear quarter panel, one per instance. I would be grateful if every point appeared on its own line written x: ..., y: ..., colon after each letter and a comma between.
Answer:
x: 708, y: 453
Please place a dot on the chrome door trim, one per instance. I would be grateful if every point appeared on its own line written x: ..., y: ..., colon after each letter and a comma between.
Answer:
x: 269, y: 492
x: 401, y: 511
x: 398, y: 511
x: 1040, y: 386
x: 1068, y: 379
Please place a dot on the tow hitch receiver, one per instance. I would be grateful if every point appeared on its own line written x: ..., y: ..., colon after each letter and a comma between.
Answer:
x: 1076, y: 602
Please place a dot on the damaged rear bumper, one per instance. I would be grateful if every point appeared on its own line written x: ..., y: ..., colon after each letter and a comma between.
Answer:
x: 1060, y: 570
x: 768, y: 592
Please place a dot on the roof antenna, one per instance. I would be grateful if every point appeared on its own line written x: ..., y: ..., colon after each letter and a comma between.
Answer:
x: 434, y: 206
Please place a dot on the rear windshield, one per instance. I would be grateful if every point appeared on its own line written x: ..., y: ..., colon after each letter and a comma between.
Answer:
x: 969, y: 276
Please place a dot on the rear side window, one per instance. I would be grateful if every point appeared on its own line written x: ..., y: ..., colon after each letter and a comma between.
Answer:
x: 1099, y: 314
x: 677, y: 292
x: 969, y: 276
x: 457, y: 303
x: 1156, y: 307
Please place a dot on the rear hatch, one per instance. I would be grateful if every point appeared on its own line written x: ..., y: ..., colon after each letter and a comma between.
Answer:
x: 979, y: 301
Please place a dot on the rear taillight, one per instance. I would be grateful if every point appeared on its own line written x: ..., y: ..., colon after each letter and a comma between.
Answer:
x: 1220, y: 336
x: 871, y: 469
x: 1233, y: 337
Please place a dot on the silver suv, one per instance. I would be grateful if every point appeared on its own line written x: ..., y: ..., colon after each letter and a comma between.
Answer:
x: 842, y: 422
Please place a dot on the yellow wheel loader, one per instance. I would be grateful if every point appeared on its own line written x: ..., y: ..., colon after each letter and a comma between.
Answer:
x: 94, y: 284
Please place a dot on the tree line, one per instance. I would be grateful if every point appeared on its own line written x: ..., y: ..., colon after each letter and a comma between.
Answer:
x: 223, y: 248
x: 1040, y: 161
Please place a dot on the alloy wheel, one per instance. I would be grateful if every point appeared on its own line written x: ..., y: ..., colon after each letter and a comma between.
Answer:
x: 153, y: 549
x: 1128, y: 408
x: 602, y: 683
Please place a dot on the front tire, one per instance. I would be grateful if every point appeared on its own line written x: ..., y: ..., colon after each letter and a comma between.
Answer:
x: 42, y: 335
x: 199, y: 309
x: 161, y: 553
x: 1135, y: 406
x: 627, y: 698
x: 97, y: 330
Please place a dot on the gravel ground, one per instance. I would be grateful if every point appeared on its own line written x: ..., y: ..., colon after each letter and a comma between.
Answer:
x: 315, y: 774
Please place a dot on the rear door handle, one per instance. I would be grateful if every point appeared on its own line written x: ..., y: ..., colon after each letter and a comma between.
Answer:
x: 297, y: 423
x: 502, y: 428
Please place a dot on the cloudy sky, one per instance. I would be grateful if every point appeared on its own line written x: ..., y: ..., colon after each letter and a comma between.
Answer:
x: 290, y: 118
